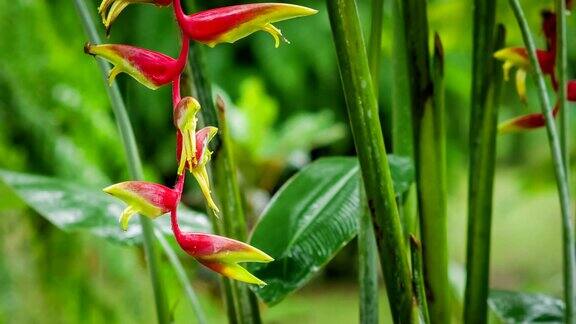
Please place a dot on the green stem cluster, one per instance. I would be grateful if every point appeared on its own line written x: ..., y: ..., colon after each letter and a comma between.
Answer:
x: 569, y: 245
x: 425, y: 88
x: 369, y: 142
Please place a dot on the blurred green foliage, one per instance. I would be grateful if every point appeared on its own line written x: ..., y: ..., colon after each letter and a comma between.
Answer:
x: 286, y: 109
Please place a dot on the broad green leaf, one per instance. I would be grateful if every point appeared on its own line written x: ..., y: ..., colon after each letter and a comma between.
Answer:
x: 308, y: 221
x: 72, y: 207
x: 518, y: 307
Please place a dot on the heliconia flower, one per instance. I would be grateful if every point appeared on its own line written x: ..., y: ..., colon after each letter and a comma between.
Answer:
x: 110, y: 9
x: 152, y: 69
x: 229, y: 24
x: 146, y: 198
x: 526, y: 122
x: 220, y: 254
x: 518, y: 57
x: 193, y: 152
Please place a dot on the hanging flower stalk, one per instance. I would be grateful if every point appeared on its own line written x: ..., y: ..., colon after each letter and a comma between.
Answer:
x: 154, y: 70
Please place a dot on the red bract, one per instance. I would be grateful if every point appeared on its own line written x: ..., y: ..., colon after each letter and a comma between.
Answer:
x: 152, y: 69
x: 571, y: 90
x: 549, y: 29
x: 229, y: 24
x: 146, y: 198
x: 219, y: 253
x: 526, y: 122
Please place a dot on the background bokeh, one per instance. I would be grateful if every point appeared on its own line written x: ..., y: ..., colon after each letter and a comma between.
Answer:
x: 55, y: 120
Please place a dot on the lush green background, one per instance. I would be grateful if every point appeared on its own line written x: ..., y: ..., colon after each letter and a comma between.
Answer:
x: 55, y: 120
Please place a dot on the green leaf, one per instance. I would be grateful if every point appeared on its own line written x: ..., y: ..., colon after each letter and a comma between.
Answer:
x: 517, y: 307
x: 309, y: 220
x: 72, y: 207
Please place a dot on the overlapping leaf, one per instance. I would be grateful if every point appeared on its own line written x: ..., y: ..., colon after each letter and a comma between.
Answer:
x: 518, y: 307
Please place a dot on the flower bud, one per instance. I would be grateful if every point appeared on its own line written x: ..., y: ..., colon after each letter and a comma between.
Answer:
x: 152, y: 69
x: 192, y: 145
x: 229, y: 24
x: 146, y: 198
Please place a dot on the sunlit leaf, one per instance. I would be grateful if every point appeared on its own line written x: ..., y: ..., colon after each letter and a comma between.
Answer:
x: 72, y: 207
x: 518, y: 307
x: 309, y: 220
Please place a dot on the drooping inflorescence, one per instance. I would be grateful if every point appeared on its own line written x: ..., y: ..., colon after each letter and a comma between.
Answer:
x: 517, y: 57
x: 154, y: 70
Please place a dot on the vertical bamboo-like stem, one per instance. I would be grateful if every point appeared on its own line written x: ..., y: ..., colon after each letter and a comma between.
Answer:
x: 402, y: 116
x: 228, y: 192
x: 375, y: 43
x: 367, y: 266
x: 369, y: 142
x: 428, y: 137
x: 367, y: 248
x: 569, y: 246
x: 418, y: 276
x: 561, y: 68
x: 134, y: 165
x: 482, y: 137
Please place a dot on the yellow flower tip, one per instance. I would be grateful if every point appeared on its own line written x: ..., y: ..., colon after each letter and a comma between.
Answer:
x: 507, y: 128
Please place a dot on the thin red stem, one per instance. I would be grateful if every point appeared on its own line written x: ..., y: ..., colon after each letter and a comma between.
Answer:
x: 176, y: 92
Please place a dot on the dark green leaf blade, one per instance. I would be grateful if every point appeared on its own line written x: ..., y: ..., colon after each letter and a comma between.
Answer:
x: 72, y: 207
x: 518, y: 307
x: 310, y: 219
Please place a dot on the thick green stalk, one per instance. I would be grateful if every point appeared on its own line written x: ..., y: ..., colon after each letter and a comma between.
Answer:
x: 561, y: 68
x: 182, y: 277
x: 134, y: 164
x: 367, y: 266
x: 429, y: 157
x: 482, y: 137
x: 569, y: 246
x: 418, y: 276
x: 228, y: 192
x: 375, y: 43
x: 369, y: 142
x: 402, y: 143
x: 367, y: 248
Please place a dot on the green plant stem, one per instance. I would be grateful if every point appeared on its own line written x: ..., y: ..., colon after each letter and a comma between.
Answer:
x: 569, y: 246
x: 182, y: 277
x: 367, y: 248
x: 402, y: 117
x: 228, y: 192
x: 561, y: 68
x: 482, y: 139
x: 418, y: 277
x: 134, y: 164
x: 429, y: 156
x: 367, y: 266
x: 369, y: 142
x: 375, y: 43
